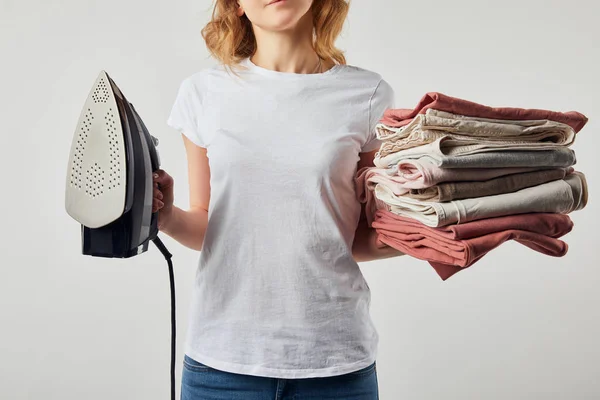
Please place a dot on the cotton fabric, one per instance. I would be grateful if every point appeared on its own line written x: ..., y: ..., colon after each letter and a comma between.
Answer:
x: 434, y: 124
x: 368, y: 177
x: 453, y: 248
x: 440, y: 101
x: 449, y: 191
x: 455, y: 179
x: 560, y: 196
x: 277, y: 290
x: 419, y: 174
x: 443, y: 153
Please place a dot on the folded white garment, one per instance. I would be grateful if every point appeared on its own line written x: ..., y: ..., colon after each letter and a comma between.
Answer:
x: 425, y: 128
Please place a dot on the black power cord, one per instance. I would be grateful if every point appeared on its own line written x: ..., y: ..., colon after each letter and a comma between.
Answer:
x: 168, y: 256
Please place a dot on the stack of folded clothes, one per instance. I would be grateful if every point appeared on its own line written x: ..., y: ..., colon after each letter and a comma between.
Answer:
x: 454, y: 179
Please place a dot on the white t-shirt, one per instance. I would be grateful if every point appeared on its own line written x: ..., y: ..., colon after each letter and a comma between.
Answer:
x: 277, y: 292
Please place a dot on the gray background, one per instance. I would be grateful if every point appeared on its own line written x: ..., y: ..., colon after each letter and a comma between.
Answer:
x: 516, y: 325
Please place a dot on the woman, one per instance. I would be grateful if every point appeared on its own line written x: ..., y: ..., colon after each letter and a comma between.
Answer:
x: 280, y: 309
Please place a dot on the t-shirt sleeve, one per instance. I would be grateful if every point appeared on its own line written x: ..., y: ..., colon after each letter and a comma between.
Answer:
x: 184, y: 112
x: 383, y: 98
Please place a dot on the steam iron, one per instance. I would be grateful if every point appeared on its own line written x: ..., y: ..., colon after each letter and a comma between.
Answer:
x: 109, y: 185
x: 109, y: 182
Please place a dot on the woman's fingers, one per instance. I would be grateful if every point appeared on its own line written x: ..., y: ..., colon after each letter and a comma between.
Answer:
x: 163, y: 186
x: 161, y: 177
x: 157, y: 205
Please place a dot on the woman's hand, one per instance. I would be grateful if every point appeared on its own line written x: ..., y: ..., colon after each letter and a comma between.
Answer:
x: 163, y: 196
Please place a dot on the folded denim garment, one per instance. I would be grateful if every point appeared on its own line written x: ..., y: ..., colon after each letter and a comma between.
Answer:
x: 441, y: 153
x: 434, y: 124
x: 560, y: 196
x: 395, y: 117
x: 449, y: 191
x: 454, y: 248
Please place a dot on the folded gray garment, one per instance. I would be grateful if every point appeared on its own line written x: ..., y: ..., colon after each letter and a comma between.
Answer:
x: 504, y: 184
x: 560, y: 196
x: 476, y: 157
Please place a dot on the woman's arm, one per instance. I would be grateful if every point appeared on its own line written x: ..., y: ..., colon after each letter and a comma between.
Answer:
x: 365, y: 246
x: 189, y: 227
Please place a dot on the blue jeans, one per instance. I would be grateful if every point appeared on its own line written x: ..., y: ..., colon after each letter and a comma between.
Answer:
x: 201, y: 382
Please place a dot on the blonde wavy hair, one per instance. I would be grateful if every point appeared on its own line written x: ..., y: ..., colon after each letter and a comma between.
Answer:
x: 230, y: 38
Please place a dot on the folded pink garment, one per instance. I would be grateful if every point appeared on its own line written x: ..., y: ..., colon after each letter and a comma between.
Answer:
x: 455, y: 247
x: 396, y: 117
